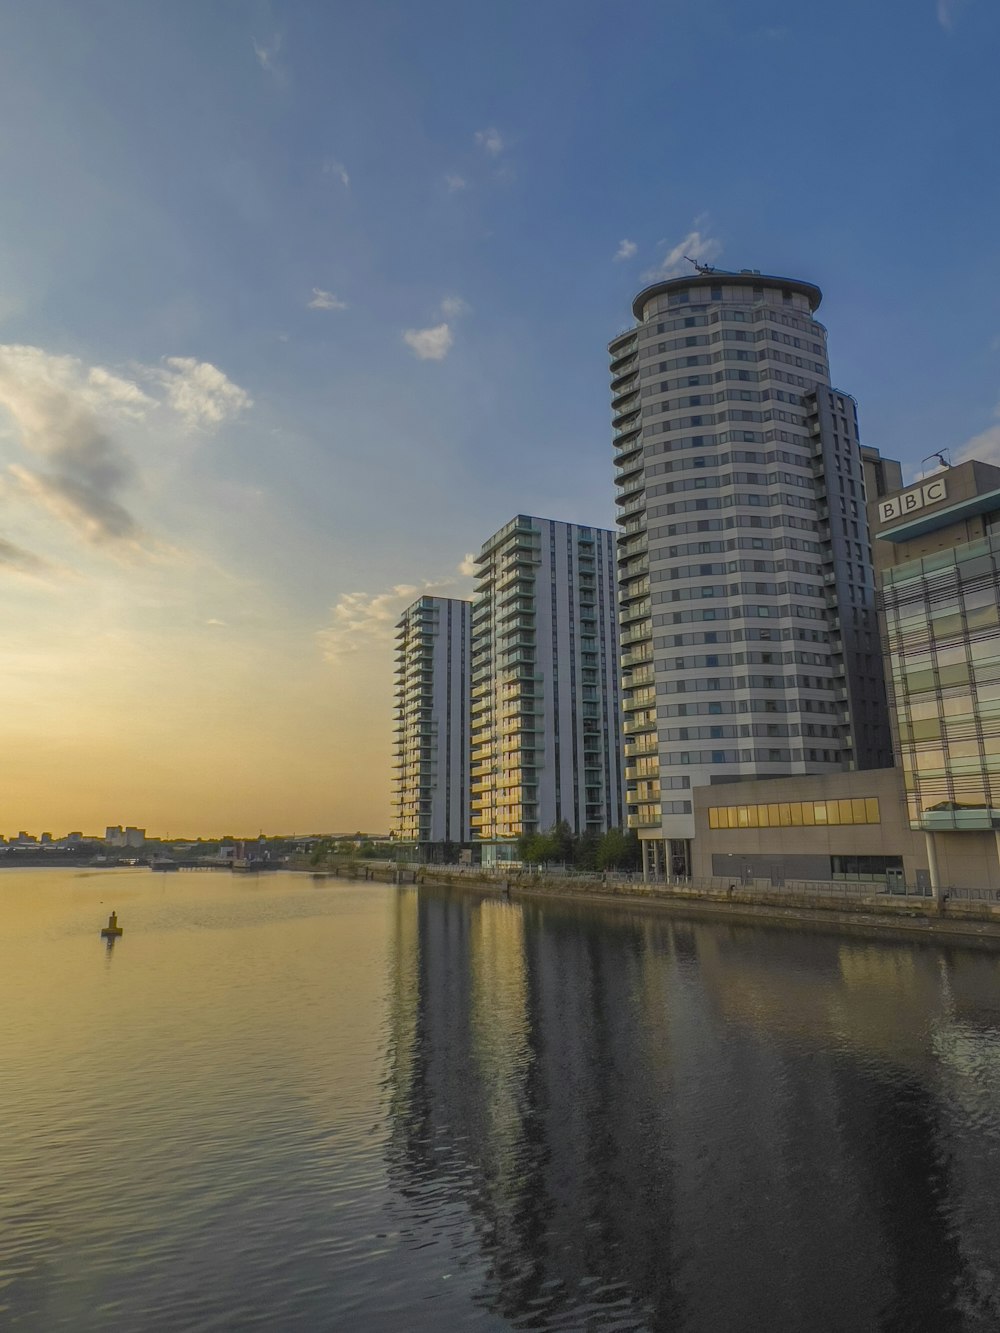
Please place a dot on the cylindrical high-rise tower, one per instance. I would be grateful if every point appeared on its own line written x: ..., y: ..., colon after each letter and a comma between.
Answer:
x: 749, y: 640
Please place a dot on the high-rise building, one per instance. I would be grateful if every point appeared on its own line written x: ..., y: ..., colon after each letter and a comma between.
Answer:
x: 432, y: 722
x: 546, y: 727
x: 749, y: 638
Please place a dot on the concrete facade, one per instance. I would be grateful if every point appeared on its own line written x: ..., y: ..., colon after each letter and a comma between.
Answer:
x: 824, y: 853
x: 749, y: 640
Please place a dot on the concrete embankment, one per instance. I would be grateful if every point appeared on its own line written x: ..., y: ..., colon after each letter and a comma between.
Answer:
x: 965, y: 921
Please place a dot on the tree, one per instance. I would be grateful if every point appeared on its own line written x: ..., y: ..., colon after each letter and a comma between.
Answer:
x: 619, y: 851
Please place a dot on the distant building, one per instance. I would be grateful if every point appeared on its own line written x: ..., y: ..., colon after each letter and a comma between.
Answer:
x: 546, y: 716
x: 116, y: 836
x: 431, y: 757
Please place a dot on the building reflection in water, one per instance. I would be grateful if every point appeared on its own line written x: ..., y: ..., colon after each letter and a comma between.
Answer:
x: 651, y: 1123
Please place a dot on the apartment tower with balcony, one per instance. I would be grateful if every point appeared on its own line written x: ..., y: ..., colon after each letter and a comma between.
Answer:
x: 431, y: 766
x: 546, y: 719
x: 750, y: 643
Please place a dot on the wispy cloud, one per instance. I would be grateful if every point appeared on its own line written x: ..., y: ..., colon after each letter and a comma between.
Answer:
x: 467, y: 566
x: 693, y: 246
x: 267, y: 52
x: 985, y: 446
x: 947, y: 13
x: 201, y: 394
x: 626, y: 250
x: 16, y: 559
x: 432, y: 344
x: 360, y: 619
x: 455, y: 183
x: 453, y: 306
x: 322, y: 300
x: 62, y: 417
x: 332, y: 168
x: 491, y: 141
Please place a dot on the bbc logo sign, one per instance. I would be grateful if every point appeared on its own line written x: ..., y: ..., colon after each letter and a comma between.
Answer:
x: 910, y: 501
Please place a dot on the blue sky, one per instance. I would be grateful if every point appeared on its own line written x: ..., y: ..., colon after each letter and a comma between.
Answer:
x: 329, y: 287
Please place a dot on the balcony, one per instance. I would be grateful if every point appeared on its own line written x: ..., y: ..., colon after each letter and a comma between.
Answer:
x: 633, y: 507
x: 630, y: 429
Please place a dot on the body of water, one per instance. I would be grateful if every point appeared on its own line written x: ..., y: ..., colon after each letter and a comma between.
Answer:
x: 308, y: 1104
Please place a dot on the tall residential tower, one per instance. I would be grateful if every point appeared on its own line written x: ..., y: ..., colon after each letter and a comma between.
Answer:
x: 432, y: 722
x: 546, y: 733
x: 749, y: 639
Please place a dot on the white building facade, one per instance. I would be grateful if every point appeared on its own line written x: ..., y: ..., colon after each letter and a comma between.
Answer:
x: 431, y: 767
x: 546, y: 714
x: 748, y: 626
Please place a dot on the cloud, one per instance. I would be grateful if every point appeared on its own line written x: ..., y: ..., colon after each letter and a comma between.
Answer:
x: 490, y: 141
x: 214, y: 623
x: 453, y: 306
x: 947, y: 13
x: 626, y: 250
x: 332, y: 168
x: 267, y: 53
x: 200, y: 393
x: 693, y: 246
x: 67, y: 417
x: 361, y: 619
x: 62, y: 417
x: 455, y: 183
x: 467, y: 566
x: 430, y: 344
x: 322, y: 300
x: 985, y: 446
x: 19, y: 560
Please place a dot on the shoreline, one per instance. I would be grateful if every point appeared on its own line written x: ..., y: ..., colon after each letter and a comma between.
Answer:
x: 908, y: 920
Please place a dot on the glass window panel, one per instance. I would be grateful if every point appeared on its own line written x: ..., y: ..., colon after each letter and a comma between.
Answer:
x: 742, y: 815
x: 762, y: 817
x: 983, y: 617
x: 784, y: 815
x: 871, y: 810
x: 772, y: 816
x: 949, y: 656
x: 858, y: 810
x: 967, y: 749
x: 819, y: 809
x: 928, y: 730
x: 946, y: 627
x: 796, y: 809
x: 923, y: 708
x: 753, y: 811
x: 808, y: 812
x: 713, y: 818
x: 919, y: 680
x: 845, y: 812
x: 958, y: 674
x: 930, y: 761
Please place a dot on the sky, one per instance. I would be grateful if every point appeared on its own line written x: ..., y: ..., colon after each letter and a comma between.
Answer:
x: 301, y: 300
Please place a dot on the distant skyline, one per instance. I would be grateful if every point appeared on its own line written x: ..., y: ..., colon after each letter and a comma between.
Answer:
x: 299, y: 302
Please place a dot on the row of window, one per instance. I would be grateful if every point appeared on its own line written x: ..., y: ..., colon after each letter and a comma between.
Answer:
x: 792, y: 814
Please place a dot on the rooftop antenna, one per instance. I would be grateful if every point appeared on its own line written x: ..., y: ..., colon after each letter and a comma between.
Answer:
x: 940, y: 455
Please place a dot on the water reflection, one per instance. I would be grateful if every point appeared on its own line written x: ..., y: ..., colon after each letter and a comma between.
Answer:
x: 666, y: 1125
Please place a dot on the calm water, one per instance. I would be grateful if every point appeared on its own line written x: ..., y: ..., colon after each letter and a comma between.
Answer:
x: 295, y: 1104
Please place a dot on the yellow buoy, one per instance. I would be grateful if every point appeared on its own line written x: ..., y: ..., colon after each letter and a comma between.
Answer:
x: 112, y: 930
